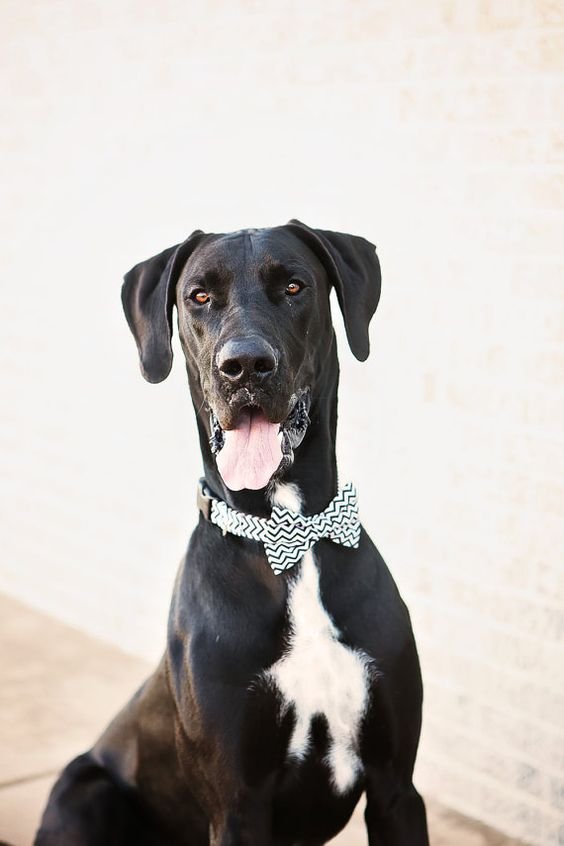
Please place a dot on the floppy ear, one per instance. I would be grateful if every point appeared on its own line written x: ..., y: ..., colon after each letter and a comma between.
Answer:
x: 148, y: 295
x: 353, y: 268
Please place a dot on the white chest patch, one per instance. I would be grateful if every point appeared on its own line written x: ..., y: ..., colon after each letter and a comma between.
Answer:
x: 319, y: 675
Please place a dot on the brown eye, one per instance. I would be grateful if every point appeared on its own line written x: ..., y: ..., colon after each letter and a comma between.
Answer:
x: 200, y: 297
x: 293, y: 288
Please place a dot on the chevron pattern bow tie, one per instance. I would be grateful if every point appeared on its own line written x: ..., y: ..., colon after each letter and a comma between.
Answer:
x: 287, y: 535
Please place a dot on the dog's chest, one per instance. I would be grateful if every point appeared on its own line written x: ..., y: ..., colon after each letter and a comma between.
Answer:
x: 318, y: 675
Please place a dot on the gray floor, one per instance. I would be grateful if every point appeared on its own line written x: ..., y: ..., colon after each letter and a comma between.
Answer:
x: 59, y: 688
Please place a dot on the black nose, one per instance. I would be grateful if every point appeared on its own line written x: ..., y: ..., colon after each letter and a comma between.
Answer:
x: 242, y: 358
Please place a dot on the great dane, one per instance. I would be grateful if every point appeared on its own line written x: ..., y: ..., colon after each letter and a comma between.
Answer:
x: 283, y: 694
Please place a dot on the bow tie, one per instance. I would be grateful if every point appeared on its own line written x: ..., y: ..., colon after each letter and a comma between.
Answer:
x: 287, y: 535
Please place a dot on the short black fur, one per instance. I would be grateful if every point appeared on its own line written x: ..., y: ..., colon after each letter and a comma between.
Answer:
x: 198, y: 757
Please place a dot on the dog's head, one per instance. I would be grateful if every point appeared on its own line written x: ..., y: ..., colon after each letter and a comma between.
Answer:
x: 255, y: 326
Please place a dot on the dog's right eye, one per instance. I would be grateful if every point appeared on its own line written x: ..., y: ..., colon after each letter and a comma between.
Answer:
x: 200, y: 296
x: 294, y: 287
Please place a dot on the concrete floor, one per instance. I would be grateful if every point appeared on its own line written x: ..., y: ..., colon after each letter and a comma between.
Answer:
x: 58, y: 690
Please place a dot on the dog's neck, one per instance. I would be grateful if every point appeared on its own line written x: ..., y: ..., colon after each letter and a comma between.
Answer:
x: 314, y: 470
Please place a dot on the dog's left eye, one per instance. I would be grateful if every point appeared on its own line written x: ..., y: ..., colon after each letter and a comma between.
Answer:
x: 294, y: 287
x: 200, y: 296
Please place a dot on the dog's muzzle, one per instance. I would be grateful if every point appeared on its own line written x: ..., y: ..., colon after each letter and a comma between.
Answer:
x: 260, y: 444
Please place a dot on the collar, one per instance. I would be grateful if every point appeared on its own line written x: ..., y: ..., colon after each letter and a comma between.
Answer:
x: 286, y: 534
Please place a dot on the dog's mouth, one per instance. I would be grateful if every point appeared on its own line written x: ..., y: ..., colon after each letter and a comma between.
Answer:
x: 255, y: 450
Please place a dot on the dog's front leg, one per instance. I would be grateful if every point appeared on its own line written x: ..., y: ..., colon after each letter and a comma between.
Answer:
x: 399, y: 822
x: 246, y: 821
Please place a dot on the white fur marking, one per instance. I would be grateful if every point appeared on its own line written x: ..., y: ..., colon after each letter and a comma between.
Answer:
x: 317, y: 674
x: 288, y: 495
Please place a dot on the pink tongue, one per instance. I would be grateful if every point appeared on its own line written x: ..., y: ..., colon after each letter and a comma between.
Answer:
x: 251, y: 453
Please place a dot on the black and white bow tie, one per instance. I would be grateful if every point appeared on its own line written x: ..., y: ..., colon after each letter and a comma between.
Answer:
x: 287, y: 535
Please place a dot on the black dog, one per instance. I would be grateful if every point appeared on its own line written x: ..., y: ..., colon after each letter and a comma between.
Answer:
x: 280, y: 698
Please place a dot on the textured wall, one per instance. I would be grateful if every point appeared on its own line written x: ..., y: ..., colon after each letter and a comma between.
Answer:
x: 433, y: 128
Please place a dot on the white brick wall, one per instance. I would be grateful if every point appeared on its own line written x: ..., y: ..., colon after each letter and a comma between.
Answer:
x: 434, y: 129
